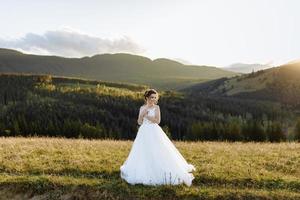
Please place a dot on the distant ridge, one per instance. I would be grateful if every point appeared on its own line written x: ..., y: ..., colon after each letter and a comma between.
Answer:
x: 160, y: 73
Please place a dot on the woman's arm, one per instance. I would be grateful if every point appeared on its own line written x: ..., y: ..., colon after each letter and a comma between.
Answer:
x: 156, y: 118
x: 142, y: 112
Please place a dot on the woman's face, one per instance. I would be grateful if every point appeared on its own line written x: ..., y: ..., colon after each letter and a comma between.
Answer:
x: 152, y: 99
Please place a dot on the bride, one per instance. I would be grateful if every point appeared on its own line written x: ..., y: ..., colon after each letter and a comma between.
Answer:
x: 153, y: 158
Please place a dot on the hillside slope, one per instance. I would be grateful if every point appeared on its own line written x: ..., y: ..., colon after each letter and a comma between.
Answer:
x: 62, y: 106
x: 281, y: 84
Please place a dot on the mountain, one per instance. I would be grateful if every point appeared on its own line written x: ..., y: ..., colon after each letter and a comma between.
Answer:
x: 279, y: 84
x: 246, y: 68
x: 161, y: 73
x: 183, y: 61
x: 9, y: 52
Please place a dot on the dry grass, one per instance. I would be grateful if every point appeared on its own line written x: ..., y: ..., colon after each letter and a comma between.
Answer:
x: 58, y: 168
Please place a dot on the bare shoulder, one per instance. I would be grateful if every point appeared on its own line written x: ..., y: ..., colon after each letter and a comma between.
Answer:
x: 143, y: 106
x: 157, y: 106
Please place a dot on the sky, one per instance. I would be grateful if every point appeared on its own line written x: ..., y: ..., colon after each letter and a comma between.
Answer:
x: 202, y: 32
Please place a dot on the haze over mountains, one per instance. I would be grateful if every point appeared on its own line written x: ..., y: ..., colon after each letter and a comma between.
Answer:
x: 247, y: 68
x: 159, y: 73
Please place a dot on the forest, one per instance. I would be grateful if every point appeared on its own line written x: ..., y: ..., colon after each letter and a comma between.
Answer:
x: 46, y: 105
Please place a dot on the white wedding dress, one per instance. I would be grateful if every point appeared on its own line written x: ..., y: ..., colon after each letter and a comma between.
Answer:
x: 154, y: 160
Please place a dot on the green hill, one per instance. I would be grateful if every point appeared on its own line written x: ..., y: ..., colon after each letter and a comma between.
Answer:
x: 279, y: 84
x: 161, y: 73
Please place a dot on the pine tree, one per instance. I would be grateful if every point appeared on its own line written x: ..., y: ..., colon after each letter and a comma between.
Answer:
x: 275, y: 132
x: 234, y: 131
x: 2, y: 128
x: 297, y: 130
x: 258, y: 133
x: 16, y: 128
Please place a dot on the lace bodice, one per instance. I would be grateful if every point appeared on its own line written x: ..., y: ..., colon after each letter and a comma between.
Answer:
x: 150, y: 113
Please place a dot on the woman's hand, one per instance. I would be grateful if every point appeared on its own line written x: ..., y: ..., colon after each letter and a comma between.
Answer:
x: 145, y: 112
x: 156, y: 118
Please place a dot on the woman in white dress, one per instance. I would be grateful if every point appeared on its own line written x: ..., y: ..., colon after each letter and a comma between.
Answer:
x: 153, y: 158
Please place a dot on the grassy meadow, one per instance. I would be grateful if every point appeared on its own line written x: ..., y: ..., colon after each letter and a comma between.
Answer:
x: 59, y: 168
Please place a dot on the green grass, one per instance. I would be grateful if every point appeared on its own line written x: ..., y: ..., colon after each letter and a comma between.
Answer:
x: 57, y: 168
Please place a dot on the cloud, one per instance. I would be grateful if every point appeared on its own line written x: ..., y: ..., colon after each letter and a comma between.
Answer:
x: 70, y: 43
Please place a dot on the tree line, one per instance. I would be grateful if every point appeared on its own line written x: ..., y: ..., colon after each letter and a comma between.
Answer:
x: 54, y: 106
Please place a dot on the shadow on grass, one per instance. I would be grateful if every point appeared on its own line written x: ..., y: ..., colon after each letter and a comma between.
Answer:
x: 199, y: 181
x: 45, y: 189
x: 112, y: 189
x: 268, y: 184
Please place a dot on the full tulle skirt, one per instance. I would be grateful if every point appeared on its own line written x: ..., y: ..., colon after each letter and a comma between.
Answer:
x: 154, y: 160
